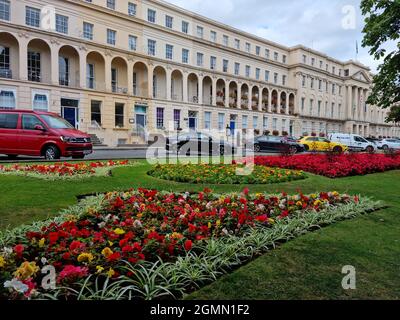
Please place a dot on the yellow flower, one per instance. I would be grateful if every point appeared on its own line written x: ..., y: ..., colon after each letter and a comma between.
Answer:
x: 2, y: 262
x: 26, y: 270
x: 85, y: 257
x: 317, y: 203
x: 110, y: 273
x: 177, y: 235
x: 42, y: 242
x: 335, y: 193
x: 119, y: 231
x: 299, y: 203
x: 99, y: 269
x: 271, y: 221
x: 218, y: 223
x: 106, y: 252
x: 209, y: 225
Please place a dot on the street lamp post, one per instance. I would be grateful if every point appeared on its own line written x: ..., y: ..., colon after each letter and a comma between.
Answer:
x: 178, y: 130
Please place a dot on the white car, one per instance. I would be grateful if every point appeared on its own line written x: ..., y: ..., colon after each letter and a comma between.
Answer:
x: 389, y: 144
x: 353, y: 142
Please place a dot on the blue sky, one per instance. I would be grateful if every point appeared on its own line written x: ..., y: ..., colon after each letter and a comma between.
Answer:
x: 317, y: 24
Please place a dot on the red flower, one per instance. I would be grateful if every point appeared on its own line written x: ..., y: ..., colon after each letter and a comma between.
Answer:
x: 188, y: 245
x: 114, y: 257
x: 19, y: 250
x: 75, y: 245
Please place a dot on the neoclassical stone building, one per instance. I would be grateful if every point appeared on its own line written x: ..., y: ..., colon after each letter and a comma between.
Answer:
x: 115, y: 68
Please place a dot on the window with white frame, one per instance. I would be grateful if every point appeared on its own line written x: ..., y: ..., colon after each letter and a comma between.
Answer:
x: 221, y: 122
x: 40, y: 101
x: 248, y: 70
x: 225, y: 40
x: 213, y: 63
x: 5, y: 66
x: 283, y: 125
x: 111, y: 4
x: 160, y: 118
x: 200, y: 59
x: 151, y: 15
x: 61, y: 24
x: 248, y: 47
x: 169, y: 22
x: 151, y: 47
x: 276, y: 56
x: 185, y: 56
x: 283, y: 80
x: 5, y: 10
x: 88, y: 31
x: 275, y: 78
x: 90, y: 80
x: 34, y: 66
x: 319, y: 108
x: 225, y: 65
x: 245, y: 120
x: 258, y: 73
x: 274, y: 123
x: 312, y: 83
x: 200, y: 32
x: 207, y: 120
x: 321, y: 63
x: 333, y: 88
x: 237, y: 44
x: 132, y: 43
x: 169, y: 51
x: 303, y: 81
x: 213, y: 36
x: 132, y: 9
x: 312, y: 61
x: 284, y: 58
x: 185, y: 27
x: 303, y: 103
x: 304, y: 58
x: 267, y: 53
x: 32, y: 17
x: 237, y: 68
x: 111, y: 37
x: 255, y: 122
x: 265, y: 123
x: 258, y: 50
x: 7, y: 98
x: 267, y: 73
x: 320, y: 85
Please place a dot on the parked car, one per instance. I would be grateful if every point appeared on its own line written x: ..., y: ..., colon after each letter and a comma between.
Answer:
x: 376, y: 141
x: 353, y: 142
x: 198, y: 142
x: 277, y: 144
x: 45, y: 134
x: 322, y: 144
x: 389, y: 144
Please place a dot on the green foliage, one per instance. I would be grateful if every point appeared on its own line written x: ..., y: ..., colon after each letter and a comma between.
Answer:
x: 382, y: 26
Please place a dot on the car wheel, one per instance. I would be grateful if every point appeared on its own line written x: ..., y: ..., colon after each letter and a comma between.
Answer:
x: 52, y: 153
x: 370, y: 149
x: 385, y: 148
x: 257, y: 148
x: 337, y: 149
x: 12, y: 156
x: 306, y: 147
x: 293, y: 150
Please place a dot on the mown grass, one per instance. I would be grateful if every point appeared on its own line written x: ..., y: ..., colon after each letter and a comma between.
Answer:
x: 306, y: 268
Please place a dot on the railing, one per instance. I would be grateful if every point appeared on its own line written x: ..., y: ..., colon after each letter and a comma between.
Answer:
x: 6, y: 73
x: 94, y: 125
x: 34, y: 76
x: 116, y: 89
x: 194, y: 99
x: 176, y: 97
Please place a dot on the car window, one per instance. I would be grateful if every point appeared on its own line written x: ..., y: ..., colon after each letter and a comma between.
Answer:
x: 312, y: 139
x: 8, y: 120
x: 30, y: 121
x: 324, y: 140
x: 359, y: 139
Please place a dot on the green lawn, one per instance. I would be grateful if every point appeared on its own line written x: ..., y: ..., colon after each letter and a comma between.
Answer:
x: 306, y: 268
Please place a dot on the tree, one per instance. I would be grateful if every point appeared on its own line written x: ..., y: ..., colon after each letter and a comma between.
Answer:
x: 382, y: 26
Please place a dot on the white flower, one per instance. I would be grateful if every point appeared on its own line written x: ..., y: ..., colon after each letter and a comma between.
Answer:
x: 16, y: 285
x: 137, y: 224
x: 101, y: 225
x: 261, y: 207
x: 7, y: 251
x: 43, y: 260
x: 224, y: 231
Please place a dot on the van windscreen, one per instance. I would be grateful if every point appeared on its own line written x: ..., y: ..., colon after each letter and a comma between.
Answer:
x: 56, y: 122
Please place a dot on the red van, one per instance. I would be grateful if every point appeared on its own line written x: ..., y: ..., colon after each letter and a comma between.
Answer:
x: 45, y: 134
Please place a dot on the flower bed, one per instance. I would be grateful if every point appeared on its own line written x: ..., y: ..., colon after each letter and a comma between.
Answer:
x: 114, y: 242
x: 334, y: 166
x: 63, y: 170
x: 223, y: 174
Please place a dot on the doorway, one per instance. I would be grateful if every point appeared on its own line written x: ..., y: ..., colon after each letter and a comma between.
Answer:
x: 70, y: 111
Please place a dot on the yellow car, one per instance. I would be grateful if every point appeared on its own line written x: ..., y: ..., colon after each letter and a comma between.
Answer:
x: 322, y: 144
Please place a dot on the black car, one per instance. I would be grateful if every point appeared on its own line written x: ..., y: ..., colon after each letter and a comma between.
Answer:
x: 198, y: 143
x: 277, y: 144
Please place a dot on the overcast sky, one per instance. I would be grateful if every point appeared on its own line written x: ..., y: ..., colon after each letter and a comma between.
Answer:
x: 324, y: 25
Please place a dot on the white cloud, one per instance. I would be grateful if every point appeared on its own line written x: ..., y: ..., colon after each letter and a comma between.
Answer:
x: 313, y: 23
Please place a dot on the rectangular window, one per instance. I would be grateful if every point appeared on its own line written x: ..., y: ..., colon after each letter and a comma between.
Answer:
x: 40, y: 102
x: 275, y: 78
x: 311, y: 106
x: 221, y: 122
x: 7, y: 101
x: 248, y: 69
x: 283, y: 80
x: 304, y: 58
x: 169, y: 52
x: 185, y: 27
x: 265, y: 123
x: 312, y: 83
x: 185, y: 56
x: 258, y: 50
x: 151, y: 47
x: 95, y: 111
x: 237, y: 68
x: 200, y: 32
x: 151, y: 15
x: 32, y: 17
x: 303, y: 81
x: 5, y: 67
x: 200, y: 59
x: 119, y: 115
x: 88, y: 31
x: 237, y: 44
x: 312, y: 61
x: 111, y: 4
x: 245, y: 122
x: 90, y: 82
x: 319, y: 108
x: 303, y: 102
x: 284, y: 59
x: 267, y: 75
x: 111, y: 37
x: 255, y: 122
x: 225, y: 65
x: 248, y: 47
x: 114, y: 80
x: 320, y: 85
x: 131, y: 9
x: 225, y: 40
x: 169, y: 22
x: 5, y: 10
x: 267, y: 53
x: 213, y: 63
x: 63, y: 67
x: 160, y: 118
x: 258, y: 73
x: 213, y: 36
x: 177, y: 119
x: 276, y: 56
x: 274, y: 123
x: 132, y: 43
x: 34, y: 66
x: 207, y: 120
x: 61, y: 24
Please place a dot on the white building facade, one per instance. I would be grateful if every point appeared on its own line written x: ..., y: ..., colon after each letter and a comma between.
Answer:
x: 117, y: 68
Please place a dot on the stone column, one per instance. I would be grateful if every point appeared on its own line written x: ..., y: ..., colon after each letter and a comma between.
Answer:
x: 260, y: 98
x: 357, y: 100
x: 270, y: 100
x: 150, y: 81
x: 168, y: 92
x: 54, y: 65
x: 279, y: 102
x: 250, y: 96
x: 130, y: 77
x: 287, y: 103
x: 82, y: 68
x: 185, y: 95
x: 107, y: 70
x: 200, y: 97
x: 214, y: 91
x: 239, y: 95
x: 23, y: 59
